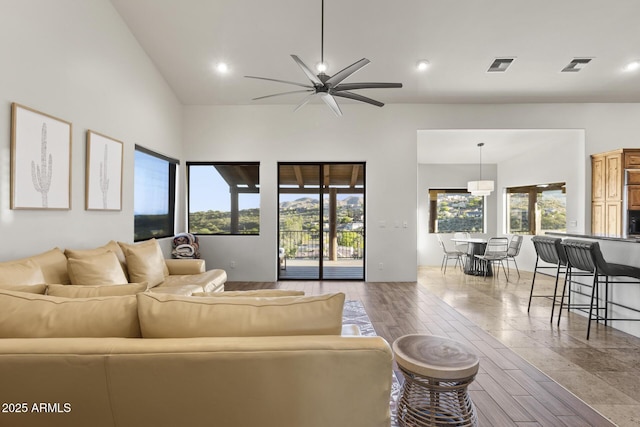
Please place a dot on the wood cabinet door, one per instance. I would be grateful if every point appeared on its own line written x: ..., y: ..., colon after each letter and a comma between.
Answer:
x: 614, y: 218
x: 613, y: 170
x: 632, y: 159
x: 633, y: 177
x: 597, y: 179
x: 633, y: 197
x: 597, y: 218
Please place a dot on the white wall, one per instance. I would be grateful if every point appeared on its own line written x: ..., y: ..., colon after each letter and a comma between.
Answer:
x: 78, y: 61
x: 386, y: 139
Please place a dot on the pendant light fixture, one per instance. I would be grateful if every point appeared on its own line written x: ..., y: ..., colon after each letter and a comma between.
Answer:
x: 480, y: 187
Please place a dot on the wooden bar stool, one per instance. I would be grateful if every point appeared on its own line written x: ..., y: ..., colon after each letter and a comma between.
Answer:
x: 437, y: 372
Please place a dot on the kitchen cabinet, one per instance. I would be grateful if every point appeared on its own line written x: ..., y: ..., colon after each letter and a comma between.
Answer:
x: 608, y: 189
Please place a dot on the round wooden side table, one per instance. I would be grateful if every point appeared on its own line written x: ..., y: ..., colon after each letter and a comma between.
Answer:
x: 437, y: 372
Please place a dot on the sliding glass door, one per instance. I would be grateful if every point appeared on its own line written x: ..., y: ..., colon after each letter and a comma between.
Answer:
x: 321, y: 211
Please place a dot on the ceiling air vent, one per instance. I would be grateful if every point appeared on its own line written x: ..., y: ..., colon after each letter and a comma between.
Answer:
x: 500, y: 65
x: 576, y: 65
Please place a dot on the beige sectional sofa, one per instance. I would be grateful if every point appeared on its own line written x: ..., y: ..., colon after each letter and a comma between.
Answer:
x: 112, y: 264
x: 162, y: 360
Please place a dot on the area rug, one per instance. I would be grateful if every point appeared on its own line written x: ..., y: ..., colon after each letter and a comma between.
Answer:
x: 355, y: 314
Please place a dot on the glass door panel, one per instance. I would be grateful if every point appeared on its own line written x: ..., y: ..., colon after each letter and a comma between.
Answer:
x: 300, y: 225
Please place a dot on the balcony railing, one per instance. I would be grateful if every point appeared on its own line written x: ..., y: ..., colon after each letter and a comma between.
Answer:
x: 306, y: 244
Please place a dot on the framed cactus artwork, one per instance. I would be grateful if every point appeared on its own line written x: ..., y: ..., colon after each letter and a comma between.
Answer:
x: 103, y: 173
x: 40, y: 160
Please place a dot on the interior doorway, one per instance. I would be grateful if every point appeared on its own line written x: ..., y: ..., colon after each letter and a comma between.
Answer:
x: 321, y: 221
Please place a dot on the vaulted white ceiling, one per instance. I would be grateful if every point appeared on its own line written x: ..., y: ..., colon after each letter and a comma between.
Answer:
x: 460, y: 38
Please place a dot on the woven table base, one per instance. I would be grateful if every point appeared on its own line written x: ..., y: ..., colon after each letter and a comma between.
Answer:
x: 433, y: 402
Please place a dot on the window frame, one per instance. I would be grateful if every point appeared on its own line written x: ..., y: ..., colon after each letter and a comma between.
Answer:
x: 433, y: 209
x: 172, y: 165
x: 533, y: 192
x: 234, y: 205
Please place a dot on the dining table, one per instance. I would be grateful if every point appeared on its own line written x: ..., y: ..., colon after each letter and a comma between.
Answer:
x: 475, y: 246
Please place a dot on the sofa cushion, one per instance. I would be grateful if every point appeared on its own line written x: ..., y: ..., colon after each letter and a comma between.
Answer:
x: 54, y: 266
x: 21, y: 272
x: 112, y: 246
x: 100, y: 269
x: 30, y: 289
x: 145, y: 262
x: 252, y: 293
x: 43, y: 316
x: 68, y: 291
x: 172, y: 316
x: 209, y: 281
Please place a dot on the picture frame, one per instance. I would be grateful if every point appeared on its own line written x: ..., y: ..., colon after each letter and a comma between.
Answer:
x: 103, y: 183
x: 40, y: 160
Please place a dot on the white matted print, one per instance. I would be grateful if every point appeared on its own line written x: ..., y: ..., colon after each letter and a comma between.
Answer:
x: 40, y: 160
x: 104, y: 173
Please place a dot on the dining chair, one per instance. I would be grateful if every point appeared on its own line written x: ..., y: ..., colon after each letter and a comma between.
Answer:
x: 494, y: 254
x: 513, y: 251
x: 461, y: 247
x: 448, y: 254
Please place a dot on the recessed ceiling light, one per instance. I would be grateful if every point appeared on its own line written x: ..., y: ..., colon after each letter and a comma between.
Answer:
x: 500, y: 65
x: 222, y: 68
x: 577, y: 64
x: 632, y: 66
x: 422, y: 65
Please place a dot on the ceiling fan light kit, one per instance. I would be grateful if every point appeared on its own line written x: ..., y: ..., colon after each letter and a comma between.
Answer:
x: 328, y: 87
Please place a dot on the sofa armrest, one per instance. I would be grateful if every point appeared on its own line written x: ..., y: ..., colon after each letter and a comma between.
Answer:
x: 185, y: 266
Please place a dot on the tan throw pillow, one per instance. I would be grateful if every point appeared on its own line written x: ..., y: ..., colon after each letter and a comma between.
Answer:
x: 145, y: 262
x: 43, y: 316
x: 253, y: 293
x: 173, y: 316
x: 22, y: 272
x: 30, y: 289
x: 111, y: 246
x: 101, y: 269
x: 54, y: 266
x: 95, y: 291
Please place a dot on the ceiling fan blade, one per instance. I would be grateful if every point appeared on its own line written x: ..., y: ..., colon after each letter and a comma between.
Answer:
x: 331, y: 102
x: 304, y: 102
x: 356, y: 97
x: 354, y: 86
x: 283, y: 93
x: 279, y: 81
x: 343, y: 74
x: 314, y: 79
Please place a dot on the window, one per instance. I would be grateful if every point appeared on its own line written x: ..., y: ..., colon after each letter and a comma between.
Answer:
x: 535, y: 209
x: 154, y: 194
x: 455, y: 210
x: 224, y: 198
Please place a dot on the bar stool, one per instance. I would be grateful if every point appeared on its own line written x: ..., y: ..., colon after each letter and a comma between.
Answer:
x: 586, y: 256
x: 549, y: 250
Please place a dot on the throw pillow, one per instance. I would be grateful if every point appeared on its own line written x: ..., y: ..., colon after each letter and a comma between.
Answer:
x: 42, y: 316
x: 172, y: 316
x: 145, y: 262
x: 22, y: 272
x: 30, y: 289
x: 111, y: 246
x: 54, y: 266
x: 252, y: 293
x: 101, y: 269
x: 95, y: 291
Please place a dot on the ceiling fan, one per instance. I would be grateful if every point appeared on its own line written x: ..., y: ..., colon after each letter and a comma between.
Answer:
x: 328, y: 87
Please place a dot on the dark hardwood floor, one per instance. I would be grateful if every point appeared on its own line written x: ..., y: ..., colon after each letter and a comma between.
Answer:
x: 509, y: 390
